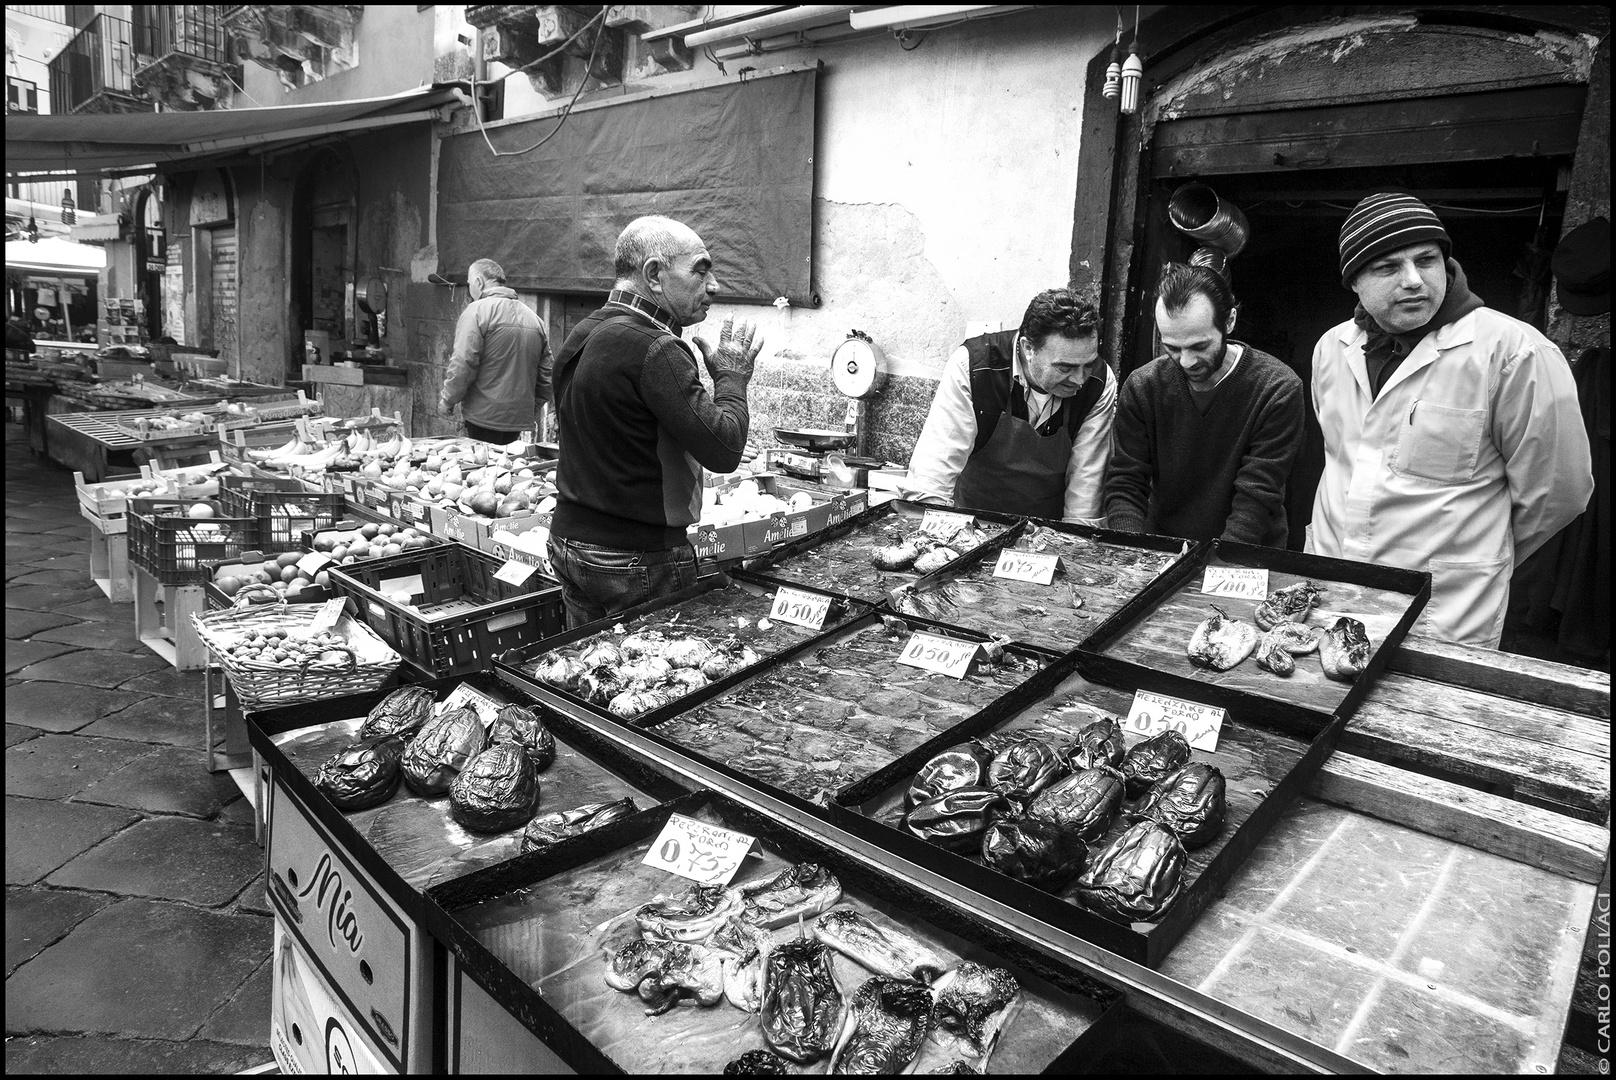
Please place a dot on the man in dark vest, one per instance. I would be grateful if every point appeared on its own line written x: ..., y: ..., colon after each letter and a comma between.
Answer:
x: 1021, y: 423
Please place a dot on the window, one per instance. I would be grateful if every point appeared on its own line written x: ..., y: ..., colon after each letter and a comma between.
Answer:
x: 22, y: 96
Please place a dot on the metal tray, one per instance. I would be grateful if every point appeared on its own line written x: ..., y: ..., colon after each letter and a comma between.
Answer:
x: 410, y: 842
x: 1100, y: 572
x: 837, y: 560
x: 753, y: 598
x: 1265, y: 768
x: 1151, y: 632
x: 525, y: 939
x: 800, y: 729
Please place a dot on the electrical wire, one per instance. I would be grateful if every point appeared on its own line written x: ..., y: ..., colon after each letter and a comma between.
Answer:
x: 924, y: 34
x: 594, y: 50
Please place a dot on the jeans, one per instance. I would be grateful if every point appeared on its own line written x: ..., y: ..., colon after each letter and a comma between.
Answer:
x: 599, y: 581
x: 489, y: 435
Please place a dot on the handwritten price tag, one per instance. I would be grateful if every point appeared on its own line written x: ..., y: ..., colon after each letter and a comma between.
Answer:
x: 946, y: 656
x: 1037, y: 567
x: 313, y: 562
x: 801, y: 608
x: 943, y: 525
x: 1239, y: 581
x: 514, y: 573
x: 1153, y: 714
x: 696, y: 850
x: 329, y: 613
x: 484, y: 706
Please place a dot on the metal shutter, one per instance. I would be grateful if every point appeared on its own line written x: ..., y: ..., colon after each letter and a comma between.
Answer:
x: 224, y: 305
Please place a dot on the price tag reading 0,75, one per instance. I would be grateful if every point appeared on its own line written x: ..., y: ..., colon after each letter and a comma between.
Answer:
x: 801, y: 608
x: 1037, y: 567
x: 696, y: 850
x: 1153, y: 714
x: 943, y: 525
x: 946, y: 656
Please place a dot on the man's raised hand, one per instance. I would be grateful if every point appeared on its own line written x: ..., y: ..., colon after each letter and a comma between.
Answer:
x: 736, y: 351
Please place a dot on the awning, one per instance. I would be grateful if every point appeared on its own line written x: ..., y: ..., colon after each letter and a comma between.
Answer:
x: 94, y: 143
x: 54, y: 255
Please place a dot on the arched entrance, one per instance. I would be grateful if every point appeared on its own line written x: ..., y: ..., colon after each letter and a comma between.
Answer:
x: 324, y: 203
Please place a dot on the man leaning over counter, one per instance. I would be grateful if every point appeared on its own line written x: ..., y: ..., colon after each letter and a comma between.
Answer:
x: 1452, y: 437
x: 1021, y: 422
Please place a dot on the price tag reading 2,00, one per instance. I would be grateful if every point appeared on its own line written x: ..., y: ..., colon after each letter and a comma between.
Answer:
x: 1153, y: 714
x: 946, y: 656
x: 801, y: 608
x: 696, y: 850
x: 1245, y: 582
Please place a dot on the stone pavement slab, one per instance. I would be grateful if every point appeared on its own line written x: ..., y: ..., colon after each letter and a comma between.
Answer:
x: 100, y: 1054
x: 166, y: 780
x: 21, y: 624
x: 95, y: 667
x: 161, y: 969
x: 36, y: 917
x: 79, y: 562
x: 254, y: 899
x: 19, y: 654
x: 157, y: 719
x: 245, y: 1017
x: 56, y: 706
x: 51, y: 597
x: 118, y: 636
x: 98, y: 607
x: 145, y: 860
x: 55, y: 510
x: 170, y: 683
x: 29, y: 526
x: 40, y: 576
x: 42, y: 835
x: 57, y: 766
x: 16, y: 733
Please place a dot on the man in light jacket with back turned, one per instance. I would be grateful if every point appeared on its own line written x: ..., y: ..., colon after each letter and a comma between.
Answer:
x: 1452, y: 437
x: 500, y: 369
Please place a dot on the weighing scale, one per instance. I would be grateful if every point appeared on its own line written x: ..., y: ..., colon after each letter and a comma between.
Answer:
x: 832, y: 457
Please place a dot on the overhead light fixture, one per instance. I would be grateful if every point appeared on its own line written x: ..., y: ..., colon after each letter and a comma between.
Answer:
x: 919, y: 16
x: 33, y: 230
x: 69, y: 214
x: 1133, y: 72
x: 1113, y: 71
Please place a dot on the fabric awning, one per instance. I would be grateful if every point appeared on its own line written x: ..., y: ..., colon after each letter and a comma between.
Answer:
x: 94, y: 143
x: 53, y: 255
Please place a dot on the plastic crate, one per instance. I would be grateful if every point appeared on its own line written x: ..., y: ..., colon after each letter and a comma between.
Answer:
x: 284, y: 509
x: 460, y: 616
x: 175, y: 548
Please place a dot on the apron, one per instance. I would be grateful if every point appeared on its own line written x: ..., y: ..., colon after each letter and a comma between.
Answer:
x: 1018, y: 472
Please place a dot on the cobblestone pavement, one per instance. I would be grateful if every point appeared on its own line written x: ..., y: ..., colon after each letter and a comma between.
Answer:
x: 137, y: 929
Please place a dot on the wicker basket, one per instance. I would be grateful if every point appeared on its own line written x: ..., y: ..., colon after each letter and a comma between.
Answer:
x: 261, y: 686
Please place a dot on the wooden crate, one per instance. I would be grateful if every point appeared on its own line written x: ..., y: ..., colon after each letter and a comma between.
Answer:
x: 163, y: 620
x: 110, y: 566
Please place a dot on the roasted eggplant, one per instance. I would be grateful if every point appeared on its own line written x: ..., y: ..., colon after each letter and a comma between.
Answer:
x: 1097, y: 744
x: 883, y: 1029
x: 1084, y: 804
x: 1023, y: 769
x: 802, y: 1008
x: 797, y: 892
x: 757, y: 1063
x: 1034, y: 850
x: 1153, y: 759
x: 965, y: 765
x: 549, y: 829
x: 363, y: 775
x: 1189, y: 801
x: 885, y: 950
x: 1344, y: 649
x: 399, y: 715
x: 1221, y: 642
x: 956, y: 819
x: 516, y: 724
x: 498, y: 790
x: 1137, y: 876
x: 1290, y: 604
x: 445, y: 745
x: 973, y: 1002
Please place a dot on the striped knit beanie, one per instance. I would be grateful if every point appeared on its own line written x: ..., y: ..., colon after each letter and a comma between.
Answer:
x: 1386, y: 222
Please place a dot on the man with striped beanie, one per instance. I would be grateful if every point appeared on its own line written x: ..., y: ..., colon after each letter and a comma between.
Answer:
x: 1452, y: 439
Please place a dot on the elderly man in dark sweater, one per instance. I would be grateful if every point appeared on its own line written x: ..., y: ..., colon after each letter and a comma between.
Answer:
x: 1206, y: 435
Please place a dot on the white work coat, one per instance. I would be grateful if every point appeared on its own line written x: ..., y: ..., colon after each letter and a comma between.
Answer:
x: 1473, y: 456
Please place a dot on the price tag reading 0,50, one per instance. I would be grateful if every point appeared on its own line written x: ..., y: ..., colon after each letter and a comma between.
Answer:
x: 802, y: 608
x: 946, y: 656
x: 943, y: 525
x: 1037, y: 567
x: 1243, y: 582
x: 1153, y: 714
x: 329, y: 613
x: 696, y: 850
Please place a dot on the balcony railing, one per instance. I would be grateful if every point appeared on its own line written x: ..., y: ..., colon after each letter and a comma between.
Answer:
x: 191, y: 29
x: 99, y: 59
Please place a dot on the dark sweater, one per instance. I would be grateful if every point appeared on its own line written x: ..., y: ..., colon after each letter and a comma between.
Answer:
x: 635, y: 424
x: 1217, y: 475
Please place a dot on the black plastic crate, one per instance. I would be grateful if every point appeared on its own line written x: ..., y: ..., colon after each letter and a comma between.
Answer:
x: 458, y: 616
x: 284, y: 509
x: 175, y: 548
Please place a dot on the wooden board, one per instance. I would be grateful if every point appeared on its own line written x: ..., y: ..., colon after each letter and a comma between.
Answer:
x: 1575, y: 689
x: 1554, y: 842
